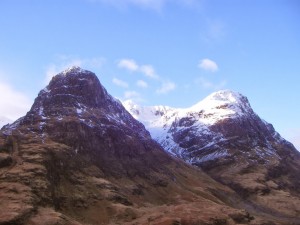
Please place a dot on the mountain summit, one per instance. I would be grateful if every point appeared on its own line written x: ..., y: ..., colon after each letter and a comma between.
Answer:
x: 223, y: 104
x: 221, y: 118
x: 225, y: 137
x: 76, y: 93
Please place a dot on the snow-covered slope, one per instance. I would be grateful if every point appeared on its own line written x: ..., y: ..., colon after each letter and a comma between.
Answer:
x: 209, y: 129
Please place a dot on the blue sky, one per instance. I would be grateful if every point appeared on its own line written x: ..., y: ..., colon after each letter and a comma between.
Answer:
x: 168, y: 52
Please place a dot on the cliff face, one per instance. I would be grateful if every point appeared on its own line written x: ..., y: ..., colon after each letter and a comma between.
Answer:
x: 78, y: 157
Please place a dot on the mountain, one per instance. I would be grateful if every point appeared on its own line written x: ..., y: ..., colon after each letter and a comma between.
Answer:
x: 226, y: 138
x: 78, y: 157
x: 221, y: 118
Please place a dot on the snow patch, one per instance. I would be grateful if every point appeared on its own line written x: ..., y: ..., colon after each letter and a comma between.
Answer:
x: 46, y: 90
x: 211, y: 156
x: 73, y: 69
x: 41, y: 112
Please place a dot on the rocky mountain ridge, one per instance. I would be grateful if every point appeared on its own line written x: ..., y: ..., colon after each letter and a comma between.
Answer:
x: 78, y: 157
x: 176, y: 129
x: 227, y: 139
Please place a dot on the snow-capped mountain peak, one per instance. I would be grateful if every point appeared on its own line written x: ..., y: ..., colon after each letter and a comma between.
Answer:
x: 217, y: 106
x: 73, y: 70
x: 205, y: 131
x: 222, y: 104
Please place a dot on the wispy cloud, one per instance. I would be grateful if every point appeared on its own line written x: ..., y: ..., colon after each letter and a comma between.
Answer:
x: 66, y: 61
x: 149, y: 71
x: 132, y: 66
x: 15, y: 104
x: 215, y: 31
x: 156, y: 5
x: 207, y: 84
x: 166, y: 87
x: 120, y: 83
x: 142, y: 84
x: 128, y: 64
x: 133, y: 96
x: 208, y: 65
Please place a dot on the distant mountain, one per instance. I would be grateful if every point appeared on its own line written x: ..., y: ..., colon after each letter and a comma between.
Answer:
x: 78, y: 157
x: 226, y: 138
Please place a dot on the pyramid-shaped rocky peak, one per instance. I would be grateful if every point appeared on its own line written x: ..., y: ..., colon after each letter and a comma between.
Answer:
x: 76, y: 95
x: 74, y: 89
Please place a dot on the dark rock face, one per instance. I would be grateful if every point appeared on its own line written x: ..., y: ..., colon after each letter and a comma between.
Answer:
x: 76, y: 110
x: 78, y: 157
x: 78, y: 93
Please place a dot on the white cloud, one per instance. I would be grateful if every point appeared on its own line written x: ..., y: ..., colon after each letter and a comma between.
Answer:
x: 13, y: 104
x: 120, y: 83
x: 65, y: 61
x: 166, y: 87
x: 148, y: 71
x: 156, y: 5
x: 142, y: 84
x: 133, y: 66
x: 128, y: 64
x: 206, y: 84
x: 208, y: 65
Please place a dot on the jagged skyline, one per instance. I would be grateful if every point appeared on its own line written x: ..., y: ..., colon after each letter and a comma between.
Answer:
x: 157, y: 52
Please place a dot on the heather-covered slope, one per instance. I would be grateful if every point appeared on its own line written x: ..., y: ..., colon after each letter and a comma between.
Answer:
x: 78, y: 157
